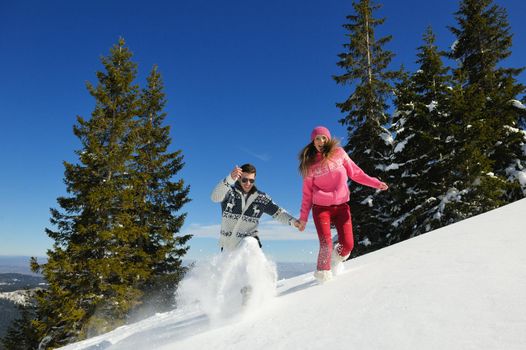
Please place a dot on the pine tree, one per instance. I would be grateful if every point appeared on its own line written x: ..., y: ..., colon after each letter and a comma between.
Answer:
x: 160, y: 197
x: 483, y: 40
x: 365, y: 63
x: 110, y: 245
x: 492, y: 157
x: 421, y: 159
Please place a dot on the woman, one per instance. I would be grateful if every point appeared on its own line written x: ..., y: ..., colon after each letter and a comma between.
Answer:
x: 325, y: 168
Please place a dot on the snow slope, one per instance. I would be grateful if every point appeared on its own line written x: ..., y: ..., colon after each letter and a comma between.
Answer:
x: 18, y: 297
x: 459, y: 287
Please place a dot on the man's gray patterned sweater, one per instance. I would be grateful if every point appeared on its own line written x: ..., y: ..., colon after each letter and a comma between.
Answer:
x: 241, y: 212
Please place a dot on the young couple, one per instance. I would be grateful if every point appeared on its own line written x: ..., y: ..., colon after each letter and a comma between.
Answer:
x: 325, y: 168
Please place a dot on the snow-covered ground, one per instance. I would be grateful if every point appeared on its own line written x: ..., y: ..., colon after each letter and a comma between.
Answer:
x: 459, y: 287
x: 17, y: 297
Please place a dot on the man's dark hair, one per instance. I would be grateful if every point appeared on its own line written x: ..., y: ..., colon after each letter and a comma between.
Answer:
x: 248, y: 168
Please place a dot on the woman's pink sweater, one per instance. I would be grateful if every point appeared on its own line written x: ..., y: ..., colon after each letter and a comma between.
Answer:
x: 326, y: 182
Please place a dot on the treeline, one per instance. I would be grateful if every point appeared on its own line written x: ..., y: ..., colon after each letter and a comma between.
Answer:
x: 455, y: 145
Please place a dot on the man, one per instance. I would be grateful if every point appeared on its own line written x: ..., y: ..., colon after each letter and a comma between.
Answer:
x: 242, y: 204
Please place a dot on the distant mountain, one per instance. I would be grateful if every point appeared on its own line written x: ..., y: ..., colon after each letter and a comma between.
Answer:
x: 17, y: 264
x: 10, y: 282
x: 290, y: 269
x: 12, y: 292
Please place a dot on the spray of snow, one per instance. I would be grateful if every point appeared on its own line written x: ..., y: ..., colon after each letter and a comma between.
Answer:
x: 217, y: 286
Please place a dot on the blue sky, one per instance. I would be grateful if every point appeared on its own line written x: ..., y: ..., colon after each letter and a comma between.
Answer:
x: 245, y: 81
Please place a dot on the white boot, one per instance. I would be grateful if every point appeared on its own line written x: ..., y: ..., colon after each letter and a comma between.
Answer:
x: 337, y: 260
x: 323, y: 275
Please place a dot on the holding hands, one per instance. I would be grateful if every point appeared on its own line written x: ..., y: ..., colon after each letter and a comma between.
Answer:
x: 300, y: 225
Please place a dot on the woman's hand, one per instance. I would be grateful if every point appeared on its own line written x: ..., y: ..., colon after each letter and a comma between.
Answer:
x: 300, y: 225
x: 383, y: 186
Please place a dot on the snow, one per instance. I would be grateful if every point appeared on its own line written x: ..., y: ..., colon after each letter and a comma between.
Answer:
x: 452, y: 195
x: 517, y: 104
x: 368, y: 201
x: 432, y: 106
x: 458, y: 287
x: 365, y: 242
x: 514, y: 130
x: 401, y: 145
x: 387, y: 138
x: 224, y: 276
x: 454, y: 45
x: 18, y: 297
x: 393, y: 166
x: 516, y: 172
x: 401, y: 219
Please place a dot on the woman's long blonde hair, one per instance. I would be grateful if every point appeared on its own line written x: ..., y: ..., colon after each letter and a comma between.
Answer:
x: 308, y: 154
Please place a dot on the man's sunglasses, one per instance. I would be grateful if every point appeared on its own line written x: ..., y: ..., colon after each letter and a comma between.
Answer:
x: 244, y: 180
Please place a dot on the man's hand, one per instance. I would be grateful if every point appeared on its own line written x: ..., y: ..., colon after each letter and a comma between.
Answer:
x: 300, y: 225
x: 383, y: 186
x: 236, y: 173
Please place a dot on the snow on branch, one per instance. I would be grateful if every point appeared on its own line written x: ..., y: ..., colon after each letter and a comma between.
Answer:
x: 517, y: 104
x: 401, y: 145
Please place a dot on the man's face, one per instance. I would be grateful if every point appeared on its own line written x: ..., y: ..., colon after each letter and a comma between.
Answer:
x: 247, y: 181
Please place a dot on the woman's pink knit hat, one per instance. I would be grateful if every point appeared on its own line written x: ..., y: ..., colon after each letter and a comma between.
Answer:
x: 320, y: 130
